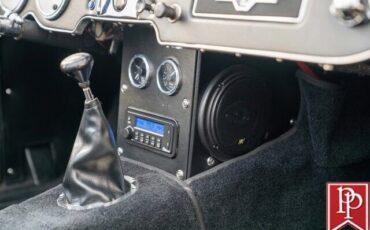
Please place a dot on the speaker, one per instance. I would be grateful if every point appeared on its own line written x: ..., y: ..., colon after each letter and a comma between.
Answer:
x: 234, y: 115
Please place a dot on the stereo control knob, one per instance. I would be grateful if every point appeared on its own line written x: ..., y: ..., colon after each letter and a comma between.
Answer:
x: 161, y: 10
x: 349, y: 12
x: 119, y: 5
x: 128, y: 132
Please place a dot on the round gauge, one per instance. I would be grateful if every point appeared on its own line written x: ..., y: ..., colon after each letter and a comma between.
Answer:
x: 51, y: 9
x: 13, y: 5
x: 169, y: 77
x: 139, y: 71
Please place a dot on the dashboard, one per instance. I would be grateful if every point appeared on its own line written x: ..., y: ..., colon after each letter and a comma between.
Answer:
x: 299, y: 30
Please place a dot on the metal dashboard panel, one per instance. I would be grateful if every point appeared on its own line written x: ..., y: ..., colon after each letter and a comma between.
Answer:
x: 67, y: 22
x: 316, y: 37
x: 290, y: 11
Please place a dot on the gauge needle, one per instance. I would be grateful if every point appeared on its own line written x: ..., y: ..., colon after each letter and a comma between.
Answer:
x: 139, y: 69
x: 137, y: 76
x: 169, y: 77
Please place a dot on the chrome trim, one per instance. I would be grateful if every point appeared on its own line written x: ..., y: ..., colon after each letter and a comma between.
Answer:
x: 349, y: 13
x: 178, y: 13
x: 302, y: 12
x: 18, y: 8
x: 178, y: 82
x: 149, y: 71
x: 56, y: 13
x: 89, y: 96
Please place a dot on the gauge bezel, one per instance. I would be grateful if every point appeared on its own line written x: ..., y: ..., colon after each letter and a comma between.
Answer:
x: 178, y: 82
x: 18, y: 8
x: 149, y: 71
x: 56, y: 14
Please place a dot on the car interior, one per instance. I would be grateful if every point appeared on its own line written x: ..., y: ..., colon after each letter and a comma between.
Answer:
x: 167, y: 114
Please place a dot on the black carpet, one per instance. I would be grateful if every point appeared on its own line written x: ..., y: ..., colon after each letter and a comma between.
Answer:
x: 159, y: 203
x: 280, y: 185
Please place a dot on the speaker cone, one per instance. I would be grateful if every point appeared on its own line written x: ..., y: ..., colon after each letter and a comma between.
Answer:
x: 234, y: 113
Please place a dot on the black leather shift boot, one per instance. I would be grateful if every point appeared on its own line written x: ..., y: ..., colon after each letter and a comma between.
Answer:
x: 94, y: 174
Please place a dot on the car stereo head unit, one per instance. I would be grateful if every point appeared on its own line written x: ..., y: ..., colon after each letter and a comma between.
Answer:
x: 151, y: 131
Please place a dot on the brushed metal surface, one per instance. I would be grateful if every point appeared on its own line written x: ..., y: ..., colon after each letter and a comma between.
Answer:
x: 317, y: 38
x: 13, y: 5
x: 51, y: 9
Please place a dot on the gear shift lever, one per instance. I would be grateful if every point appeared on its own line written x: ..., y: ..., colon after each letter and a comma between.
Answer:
x: 79, y: 67
x: 94, y: 175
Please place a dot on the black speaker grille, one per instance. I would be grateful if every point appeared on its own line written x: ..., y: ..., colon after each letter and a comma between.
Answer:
x: 234, y: 112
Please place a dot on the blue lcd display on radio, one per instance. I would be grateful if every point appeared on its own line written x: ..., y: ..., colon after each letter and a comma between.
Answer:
x: 150, y: 126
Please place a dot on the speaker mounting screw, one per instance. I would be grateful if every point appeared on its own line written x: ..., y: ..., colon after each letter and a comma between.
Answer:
x: 120, y: 151
x: 123, y: 89
x: 10, y: 171
x: 328, y: 67
x: 180, y: 174
x: 211, y: 161
x: 185, y: 103
x: 8, y: 91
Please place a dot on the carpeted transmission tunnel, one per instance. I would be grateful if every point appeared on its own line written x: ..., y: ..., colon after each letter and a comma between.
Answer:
x: 280, y: 185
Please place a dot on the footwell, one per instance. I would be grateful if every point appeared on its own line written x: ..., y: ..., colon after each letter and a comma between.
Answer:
x: 280, y: 185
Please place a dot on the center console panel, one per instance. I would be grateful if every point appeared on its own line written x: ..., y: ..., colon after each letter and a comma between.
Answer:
x: 154, y: 123
x: 184, y: 111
